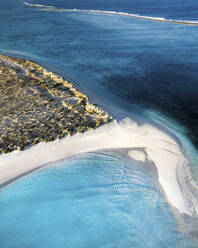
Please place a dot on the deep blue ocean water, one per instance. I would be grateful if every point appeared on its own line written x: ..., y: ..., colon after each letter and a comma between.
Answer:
x: 122, y: 61
x: 153, y: 64
x: 175, y: 9
x: 96, y: 200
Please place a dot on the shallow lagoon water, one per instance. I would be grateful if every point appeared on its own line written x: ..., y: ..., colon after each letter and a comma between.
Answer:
x: 94, y: 200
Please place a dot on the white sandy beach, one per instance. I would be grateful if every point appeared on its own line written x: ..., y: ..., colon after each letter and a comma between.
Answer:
x: 158, y: 146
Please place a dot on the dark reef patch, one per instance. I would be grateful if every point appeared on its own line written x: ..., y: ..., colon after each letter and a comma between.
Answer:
x: 37, y: 105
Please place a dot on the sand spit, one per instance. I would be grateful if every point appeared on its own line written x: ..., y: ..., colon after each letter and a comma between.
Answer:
x: 37, y: 105
x: 158, y: 146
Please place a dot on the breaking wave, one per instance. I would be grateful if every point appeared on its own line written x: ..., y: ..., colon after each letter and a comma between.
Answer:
x: 158, y: 19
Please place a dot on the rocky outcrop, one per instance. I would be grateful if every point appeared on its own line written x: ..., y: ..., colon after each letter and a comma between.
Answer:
x: 37, y: 105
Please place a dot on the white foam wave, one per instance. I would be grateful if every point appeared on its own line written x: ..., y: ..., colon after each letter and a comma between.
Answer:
x: 37, y: 5
x: 159, y: 19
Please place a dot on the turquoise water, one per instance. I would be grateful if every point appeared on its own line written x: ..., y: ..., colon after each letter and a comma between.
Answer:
x: 96, y: 200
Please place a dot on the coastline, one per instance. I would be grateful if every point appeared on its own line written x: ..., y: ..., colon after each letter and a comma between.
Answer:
x: 159, y: 148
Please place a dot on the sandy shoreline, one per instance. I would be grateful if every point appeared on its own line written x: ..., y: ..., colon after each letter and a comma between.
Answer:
x: 158, y: 146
